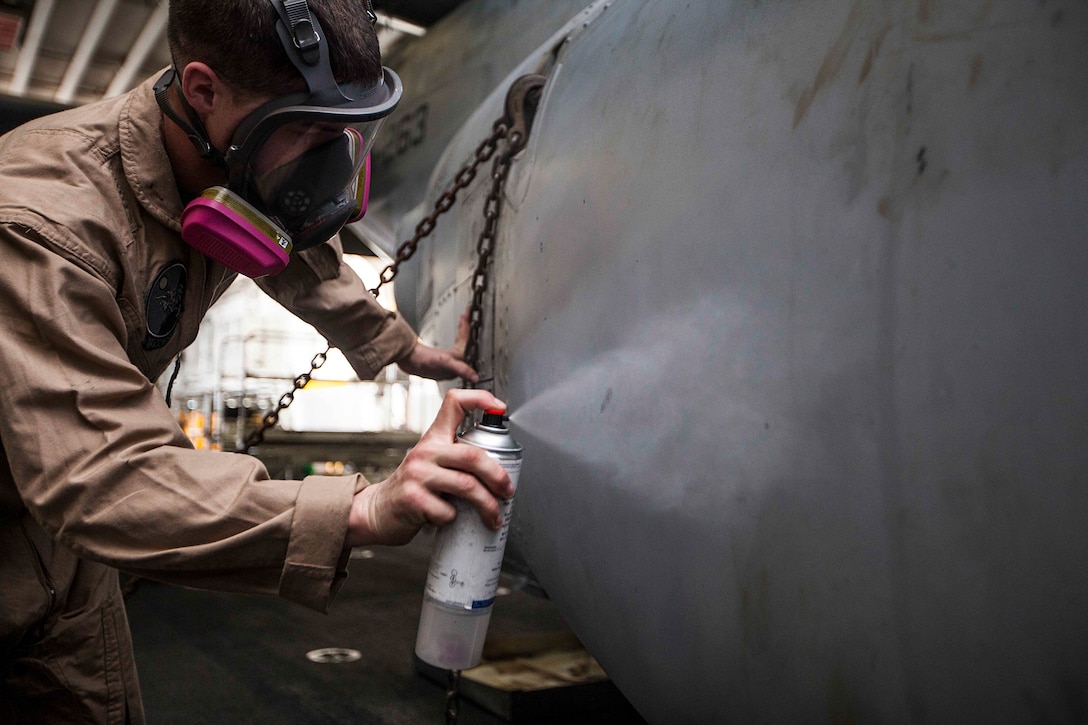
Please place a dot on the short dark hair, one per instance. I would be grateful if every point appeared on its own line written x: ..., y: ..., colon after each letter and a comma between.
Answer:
x: 237, y: 38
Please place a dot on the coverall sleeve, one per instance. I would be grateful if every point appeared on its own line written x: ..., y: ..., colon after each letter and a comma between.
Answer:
x: 318, y: 286
x: 101, y: 464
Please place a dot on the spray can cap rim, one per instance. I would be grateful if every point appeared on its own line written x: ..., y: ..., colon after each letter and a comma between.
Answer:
x: 494, y: 418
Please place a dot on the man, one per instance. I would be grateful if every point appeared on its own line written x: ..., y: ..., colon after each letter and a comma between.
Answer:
x: 121, y: 222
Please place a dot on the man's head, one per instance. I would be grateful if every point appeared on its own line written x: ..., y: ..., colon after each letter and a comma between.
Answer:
x: 237, y: 39
x: 281, y: 107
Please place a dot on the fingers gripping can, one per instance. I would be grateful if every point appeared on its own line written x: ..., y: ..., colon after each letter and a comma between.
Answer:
x: 464, y: 571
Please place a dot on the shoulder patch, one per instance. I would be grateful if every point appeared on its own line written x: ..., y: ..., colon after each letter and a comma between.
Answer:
x: 164, y: 304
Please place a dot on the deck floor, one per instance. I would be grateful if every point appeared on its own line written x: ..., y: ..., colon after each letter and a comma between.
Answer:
x: 211, y: 657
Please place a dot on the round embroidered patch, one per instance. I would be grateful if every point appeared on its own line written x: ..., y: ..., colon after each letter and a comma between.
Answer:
x: 164, y: 304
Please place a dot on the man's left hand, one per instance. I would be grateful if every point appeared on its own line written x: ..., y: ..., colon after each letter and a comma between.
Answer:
x: 429, y: 362
x: 436, y: 364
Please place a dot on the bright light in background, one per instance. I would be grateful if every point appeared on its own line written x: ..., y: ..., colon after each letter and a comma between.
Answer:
x: 250, y: 348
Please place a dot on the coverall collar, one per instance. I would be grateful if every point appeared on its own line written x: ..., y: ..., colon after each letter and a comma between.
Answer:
x: 144, y: 159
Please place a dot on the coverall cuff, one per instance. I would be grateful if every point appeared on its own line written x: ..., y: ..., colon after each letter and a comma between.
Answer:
x: 316, y: 563
x: 394, y: 342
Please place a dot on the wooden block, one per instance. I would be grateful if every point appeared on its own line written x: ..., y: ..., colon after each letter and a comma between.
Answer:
x: 528, y: 678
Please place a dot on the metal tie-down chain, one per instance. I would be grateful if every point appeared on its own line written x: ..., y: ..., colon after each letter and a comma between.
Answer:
x: 513, y: 125
x: 453, y: 696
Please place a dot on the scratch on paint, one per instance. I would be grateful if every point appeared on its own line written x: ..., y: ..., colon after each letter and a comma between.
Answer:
x: 831, y: 65
x: 607, y: 400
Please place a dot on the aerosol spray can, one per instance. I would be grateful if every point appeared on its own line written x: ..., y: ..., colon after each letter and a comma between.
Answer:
x: 464, y: 571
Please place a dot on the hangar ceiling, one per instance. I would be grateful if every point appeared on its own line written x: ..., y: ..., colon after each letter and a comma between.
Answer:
x: 69, y: 52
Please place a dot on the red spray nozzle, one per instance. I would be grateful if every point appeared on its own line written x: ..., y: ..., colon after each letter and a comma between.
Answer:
x: 494, y: 417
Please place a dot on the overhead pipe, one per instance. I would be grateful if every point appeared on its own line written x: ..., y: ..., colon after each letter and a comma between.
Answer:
x: 146, y: 42
x: 141, y: 49
x: 32, y: 43
x: 81, y: 59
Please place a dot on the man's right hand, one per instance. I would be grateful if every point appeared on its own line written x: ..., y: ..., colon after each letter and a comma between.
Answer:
x: 394, y: 510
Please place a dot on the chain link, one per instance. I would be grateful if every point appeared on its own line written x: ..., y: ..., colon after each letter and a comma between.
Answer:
x: 453, y: 696
x: 464, y: 177
x: 485, y: 245
x: 272, y: 417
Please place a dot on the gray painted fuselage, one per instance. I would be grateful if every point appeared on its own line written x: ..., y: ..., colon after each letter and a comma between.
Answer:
x: 789, y: 305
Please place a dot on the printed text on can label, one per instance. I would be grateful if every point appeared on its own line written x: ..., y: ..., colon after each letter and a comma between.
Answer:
x: 467, y: 558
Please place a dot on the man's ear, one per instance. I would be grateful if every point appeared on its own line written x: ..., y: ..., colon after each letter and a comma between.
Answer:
x: 201, y: 87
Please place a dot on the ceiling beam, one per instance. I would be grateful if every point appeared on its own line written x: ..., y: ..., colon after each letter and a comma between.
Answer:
x: 32, y: 43
x: 88, y: 43
x: 148, y: 40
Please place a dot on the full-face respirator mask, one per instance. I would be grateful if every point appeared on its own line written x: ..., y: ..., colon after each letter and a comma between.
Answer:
x: 298, y: 166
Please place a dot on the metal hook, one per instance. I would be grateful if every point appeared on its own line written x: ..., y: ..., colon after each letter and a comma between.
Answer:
x: 521, y: 105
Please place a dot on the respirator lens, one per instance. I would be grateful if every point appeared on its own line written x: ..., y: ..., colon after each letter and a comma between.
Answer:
x: 310, y: 175
x: 304, y: 164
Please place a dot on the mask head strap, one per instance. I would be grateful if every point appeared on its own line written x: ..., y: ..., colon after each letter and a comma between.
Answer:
x: 193, y: 128
x: 306, y: 47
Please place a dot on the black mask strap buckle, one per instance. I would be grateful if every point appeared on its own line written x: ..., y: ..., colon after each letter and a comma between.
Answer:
x: 303, y: 40
x: 300, y: 25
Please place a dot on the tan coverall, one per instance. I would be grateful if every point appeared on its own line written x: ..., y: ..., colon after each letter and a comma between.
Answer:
x: 96, y: 474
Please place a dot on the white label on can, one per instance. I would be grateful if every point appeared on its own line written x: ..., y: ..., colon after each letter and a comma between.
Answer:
x: 467, y: 555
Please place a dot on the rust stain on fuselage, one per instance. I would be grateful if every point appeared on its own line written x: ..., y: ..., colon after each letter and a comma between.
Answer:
x: 831, y: 65
x: 874, y: 51
x: 976, y: 71
x: 923, y: 11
